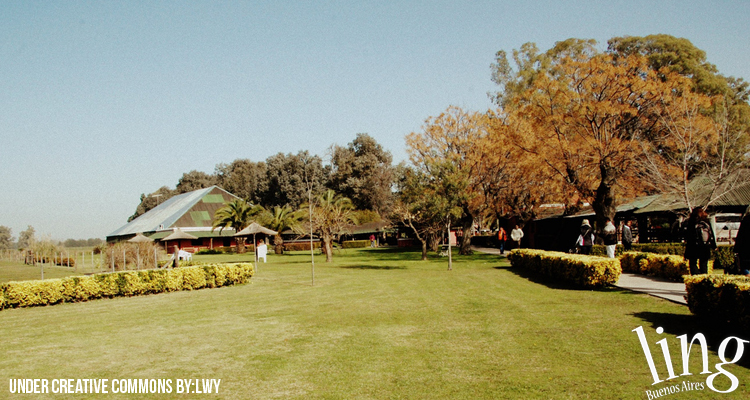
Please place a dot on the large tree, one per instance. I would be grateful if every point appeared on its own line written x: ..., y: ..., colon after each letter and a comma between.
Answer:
x: 584, y: 115
x: 150, y: 201
x: 288, y: 177
x: 243, y: 178
x: 701, y: 150
x: 419, y: 206
x: 362, y: 171
x: 26, y: 239
x: 195, y: 180
x: 6, y: 238
x: 332, y: 215
x: 449, y: 151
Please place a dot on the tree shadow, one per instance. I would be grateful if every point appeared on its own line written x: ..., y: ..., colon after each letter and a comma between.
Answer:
x: 374, y: 267
x: 553, y: 284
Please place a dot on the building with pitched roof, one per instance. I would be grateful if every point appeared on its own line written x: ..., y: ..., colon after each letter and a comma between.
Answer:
x: 190, y: 212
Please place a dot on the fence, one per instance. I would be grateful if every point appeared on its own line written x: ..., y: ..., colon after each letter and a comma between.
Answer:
x: 87, y: 262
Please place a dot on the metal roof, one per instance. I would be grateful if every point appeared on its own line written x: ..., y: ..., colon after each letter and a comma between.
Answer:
x: 188, y: 210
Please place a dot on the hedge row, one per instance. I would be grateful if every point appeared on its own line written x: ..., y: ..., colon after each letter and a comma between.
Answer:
x: 126, y: 283
x: 579, y: 270
x: 353, y: 244
x: 725, y: 298
x: 661, y: 265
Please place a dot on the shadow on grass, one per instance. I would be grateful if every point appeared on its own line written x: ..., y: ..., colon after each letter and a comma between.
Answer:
x: 552, y: 284
x: 714, y: 331
x: 375, y: 267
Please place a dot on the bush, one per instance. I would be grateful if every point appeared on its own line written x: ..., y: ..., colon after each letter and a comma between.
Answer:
x: 65, y: 262
x: 300, y: 246
x: 723, y: 257
x: 353, y: 244
x: 210, y: 251
x: 675, y: 249
x: 665, y: 266
x: 127, y: 283
x: 723, y: 298
x: 579, y: 270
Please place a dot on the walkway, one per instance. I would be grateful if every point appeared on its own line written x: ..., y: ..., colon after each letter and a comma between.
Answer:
x: 672, y: 291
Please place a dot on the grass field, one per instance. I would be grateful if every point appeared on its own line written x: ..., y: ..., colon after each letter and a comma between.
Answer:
x: 378, y: 324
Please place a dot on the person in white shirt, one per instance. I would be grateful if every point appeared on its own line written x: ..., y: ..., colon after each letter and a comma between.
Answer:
x: 516, y: 235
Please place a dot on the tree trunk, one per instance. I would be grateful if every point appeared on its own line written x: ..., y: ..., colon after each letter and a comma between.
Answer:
x: 467, y: 223
x: 434, y: 241
x: 240, y: 245
x: 327, y: 239
x: 424, y: 250
x: 604, y: 204
x: 278, y: 244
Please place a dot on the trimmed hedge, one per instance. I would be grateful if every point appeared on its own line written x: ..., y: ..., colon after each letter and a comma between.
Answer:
x: 579, y: 270
x: 126, y: 283
x: 725, y: 298
x: 300, y: 246
x: 353, y: 244
x: 665, y: 266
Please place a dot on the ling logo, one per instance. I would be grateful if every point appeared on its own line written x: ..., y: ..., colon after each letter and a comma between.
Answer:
x: 686, y: 347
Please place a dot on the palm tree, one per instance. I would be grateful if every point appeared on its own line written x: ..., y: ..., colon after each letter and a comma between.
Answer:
x: 237, y: 214
x: 332, y: 214
x: 282, y: 219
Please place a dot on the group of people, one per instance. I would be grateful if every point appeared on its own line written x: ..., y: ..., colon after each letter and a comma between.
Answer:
x: 699, y: 241
x: 586, y: 239
x: 516, y: 234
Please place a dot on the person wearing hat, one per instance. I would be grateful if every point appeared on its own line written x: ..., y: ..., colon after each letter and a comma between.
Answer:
x: 586, y: 238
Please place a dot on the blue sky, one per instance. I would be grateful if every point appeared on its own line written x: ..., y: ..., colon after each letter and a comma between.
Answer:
x: 102, y: 101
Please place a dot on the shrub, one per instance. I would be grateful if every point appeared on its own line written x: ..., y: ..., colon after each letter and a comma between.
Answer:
x: 65, y: 262
x: 127, y: 283
x: 579, y: 270
x: 601, y: 250
x: 33, y: 293
x: 676, y: 249
x: 665, y: 266
x: 723, y: 298
x: 300, y: 246
x: 352, y: 244
x: 209, y: 251
x: 723, y: 257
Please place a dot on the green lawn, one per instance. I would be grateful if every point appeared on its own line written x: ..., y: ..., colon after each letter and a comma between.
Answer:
x: 378, y: 324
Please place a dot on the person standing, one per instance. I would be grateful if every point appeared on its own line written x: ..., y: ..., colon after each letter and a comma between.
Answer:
x: 372, y: 241
x: 699, y: 241
x: 610, y: 238
x: 516, y: 234
x: 742, y: 244
x: 627, y: 236
x: 586, y: 238
x: 502, y: 237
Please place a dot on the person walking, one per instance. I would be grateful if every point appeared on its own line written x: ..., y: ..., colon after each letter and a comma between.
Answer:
x: 627, y: 236
x: 610, y: 238
x: 742, y: 245
x: 586, y: 238
x: 502, y: 237
x: 516, y: 234
x: 699, y: 241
